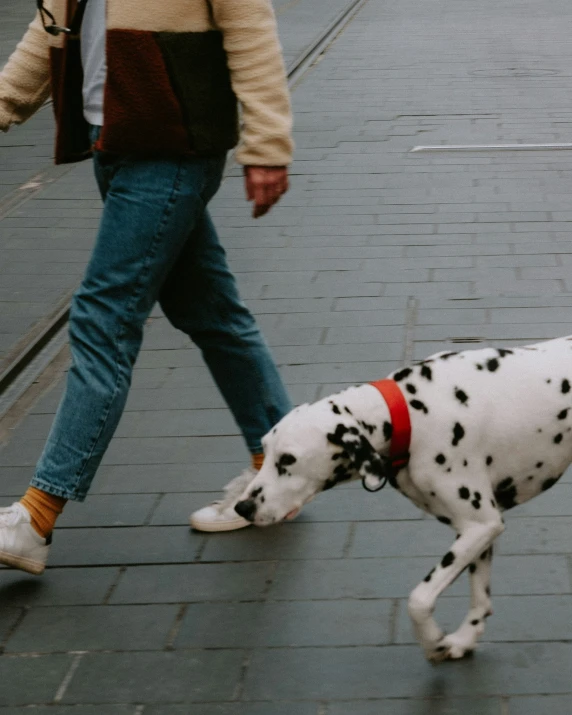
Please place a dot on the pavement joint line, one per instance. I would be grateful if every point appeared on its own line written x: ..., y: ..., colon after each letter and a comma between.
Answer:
x: 154, y: 505
x: 114, y: 585
x: 58, y: 697
x: 394, y: 620
x: 239, y: 690
x: 13, y: 628
x: 350, y: 540
x: 272, y: 568
x: 175, y: 629
x: 410, y: 321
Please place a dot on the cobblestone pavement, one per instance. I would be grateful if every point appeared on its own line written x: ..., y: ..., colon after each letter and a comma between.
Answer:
x: 376, y: 256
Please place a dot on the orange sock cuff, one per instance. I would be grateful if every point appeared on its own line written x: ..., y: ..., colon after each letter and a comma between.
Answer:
x: 257, y: 460
x: 44, y: 509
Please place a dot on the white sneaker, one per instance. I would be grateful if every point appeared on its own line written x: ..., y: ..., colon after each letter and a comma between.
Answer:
x: 220, y: 515
x: 20, y: 545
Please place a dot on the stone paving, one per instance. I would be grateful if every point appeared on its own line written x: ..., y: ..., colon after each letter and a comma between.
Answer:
x: 375, y: 257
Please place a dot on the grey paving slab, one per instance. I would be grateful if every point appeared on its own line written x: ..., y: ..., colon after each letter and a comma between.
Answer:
x: 102, y: 510
x: 396, y: 577
x: 42, y: 677
x: 553, y: 704
x: 78, y: 628
x: 265, y: 708
x: 309, y: 623
x: 401, y: 672
x: 73, y: 710
x: 427, y: 706
x: 57, y: 587
x: 194, y: 583
x: 287, y: 541
x: 156, y: 677
x: 536, y: 535
x: 125, y: 545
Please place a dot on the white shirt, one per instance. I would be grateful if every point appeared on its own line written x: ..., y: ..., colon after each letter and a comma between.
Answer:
x: 93, y: 60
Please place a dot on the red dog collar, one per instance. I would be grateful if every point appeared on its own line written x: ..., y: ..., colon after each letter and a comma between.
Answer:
x: 401, y: 424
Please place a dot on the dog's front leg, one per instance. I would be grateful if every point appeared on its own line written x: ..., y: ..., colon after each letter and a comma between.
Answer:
x: 464, y: 639
x: 474, y: 539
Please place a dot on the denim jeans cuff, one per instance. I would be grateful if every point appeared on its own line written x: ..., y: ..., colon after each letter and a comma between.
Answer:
x: 56, y: 491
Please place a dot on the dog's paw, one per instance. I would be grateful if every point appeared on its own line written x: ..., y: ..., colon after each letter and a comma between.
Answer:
x: 451, y: 648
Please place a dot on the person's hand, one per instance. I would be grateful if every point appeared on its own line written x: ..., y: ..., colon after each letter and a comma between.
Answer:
x: 265, y: 185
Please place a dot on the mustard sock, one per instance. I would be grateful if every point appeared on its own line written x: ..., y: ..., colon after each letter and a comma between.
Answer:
x: 44, y: 509
x: 257, y: 460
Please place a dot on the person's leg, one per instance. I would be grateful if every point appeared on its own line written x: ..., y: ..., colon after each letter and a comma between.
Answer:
x: 200, y: 297
x: 150, y: 208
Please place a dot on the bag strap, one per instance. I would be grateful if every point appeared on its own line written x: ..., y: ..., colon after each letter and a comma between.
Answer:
x: 54, y: 29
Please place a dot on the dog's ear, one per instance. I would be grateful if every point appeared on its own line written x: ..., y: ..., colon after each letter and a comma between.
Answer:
x: 360, y: 456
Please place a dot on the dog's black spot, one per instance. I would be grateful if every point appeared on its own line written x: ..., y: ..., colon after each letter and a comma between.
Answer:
x: 440, y: 459
x: 256, y: 492
x: 477, y: 496
x: 479, y: 367
x: 448, y: 470
x: 447, y: 559
x: 285, y: 460
x: 369, y: 428
x: 563, y: 414
x: 492, y: 365
x: 418, y: 405
x: 347, y: 409
x: 539, y: 464
x: 472, y: 568
x: 476, y: 503
x: 503, y: 353
x: 464, y: 493
x: 262, y: 499
x: 493, y: 504
x: 461, y: 395
x: 446, y: 356
x: 433, y: 494
x: 429, y: 576
x: 402, y: 374
x: 548, y: 381
x: 565, y: 387
x: 547, y: 483
x: 488, y: 591
x: 506, y: 493
x: 387, y: 430
x: 489, y: 460
x: 340, y: 455
x: 444, y: 519
x: 335, y: 409
x: 557, y: 438
x: 411, y: 389
x: 475, y: 622
x: 458, y: 434
x: 426, y: 372
x: 465, y: 463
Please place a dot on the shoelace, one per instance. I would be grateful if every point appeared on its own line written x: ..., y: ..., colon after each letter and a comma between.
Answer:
x: 10, y: 516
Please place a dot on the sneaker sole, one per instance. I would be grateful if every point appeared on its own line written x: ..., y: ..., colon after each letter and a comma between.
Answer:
x: 20, y: 562
x: 213, y: 527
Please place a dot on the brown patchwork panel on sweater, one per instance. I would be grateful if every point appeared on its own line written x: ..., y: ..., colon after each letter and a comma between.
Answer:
x: 141, y: 110
x: 197, y: 66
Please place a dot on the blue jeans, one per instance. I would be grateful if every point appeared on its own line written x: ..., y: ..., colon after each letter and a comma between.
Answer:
x: 156, y: 242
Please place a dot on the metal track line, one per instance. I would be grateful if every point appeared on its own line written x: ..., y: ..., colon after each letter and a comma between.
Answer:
x: 40, y: 336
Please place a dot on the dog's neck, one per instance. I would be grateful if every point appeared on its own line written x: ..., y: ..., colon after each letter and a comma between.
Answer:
x: 369, y: 407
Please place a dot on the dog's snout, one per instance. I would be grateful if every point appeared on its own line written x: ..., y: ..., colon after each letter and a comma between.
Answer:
x: 246, y: 509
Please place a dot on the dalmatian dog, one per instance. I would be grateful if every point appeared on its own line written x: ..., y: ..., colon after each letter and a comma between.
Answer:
x: 490, y: 429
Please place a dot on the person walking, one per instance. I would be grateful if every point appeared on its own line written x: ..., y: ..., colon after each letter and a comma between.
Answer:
x: 152, y: 91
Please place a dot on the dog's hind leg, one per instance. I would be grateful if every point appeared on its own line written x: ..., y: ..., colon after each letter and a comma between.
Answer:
x: 475, y: 538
